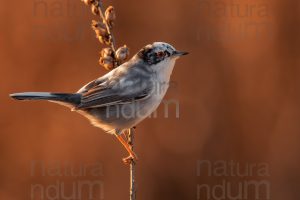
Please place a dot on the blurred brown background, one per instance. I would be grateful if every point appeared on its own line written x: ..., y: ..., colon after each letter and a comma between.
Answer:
x: 238, y: 92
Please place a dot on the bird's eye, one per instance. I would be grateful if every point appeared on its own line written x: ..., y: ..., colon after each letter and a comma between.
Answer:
x: 160, y: 54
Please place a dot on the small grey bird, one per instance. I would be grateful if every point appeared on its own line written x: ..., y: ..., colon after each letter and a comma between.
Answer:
x: 125, y: 96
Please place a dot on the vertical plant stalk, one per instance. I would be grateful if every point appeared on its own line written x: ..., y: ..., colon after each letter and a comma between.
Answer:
x: 132, y: 166
x: 109, y: 31
x: 118, y: 56
x: 132, y: 187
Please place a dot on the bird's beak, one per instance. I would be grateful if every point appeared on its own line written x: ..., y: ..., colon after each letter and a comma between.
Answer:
x: 179, y: 53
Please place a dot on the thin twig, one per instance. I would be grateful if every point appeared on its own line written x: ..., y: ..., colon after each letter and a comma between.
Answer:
x: 112, y: 38
x: 132, y: 166
x: 119, y: 56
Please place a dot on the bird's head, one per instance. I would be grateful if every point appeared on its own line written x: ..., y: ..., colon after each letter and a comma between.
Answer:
x: 159, y: 52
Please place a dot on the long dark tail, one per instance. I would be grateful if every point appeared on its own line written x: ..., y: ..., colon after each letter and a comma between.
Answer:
x: 73, y: 99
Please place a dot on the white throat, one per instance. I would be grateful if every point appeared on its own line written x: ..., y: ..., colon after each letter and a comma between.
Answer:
x: 161, y: 78
x: 164, y: 70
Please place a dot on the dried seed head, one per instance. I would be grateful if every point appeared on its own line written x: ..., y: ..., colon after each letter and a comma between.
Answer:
x: 107, y: 63
x: 105, y: 39
x: 107, y: 58
x: 101, y: 33
x: 88, y: 2
x: 97, y: 24
x: 95, y: 9
x: 110, y: 16
x: 99, y: 28
x: 122, y: 53
x: 107, y: 52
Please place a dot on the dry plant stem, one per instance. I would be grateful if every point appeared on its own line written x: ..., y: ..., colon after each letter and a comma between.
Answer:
x: 112, y: 45
x: 132, y: 166
x: 112, y: 39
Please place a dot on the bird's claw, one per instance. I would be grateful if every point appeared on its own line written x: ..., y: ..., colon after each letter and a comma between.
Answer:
x: 128, y: 160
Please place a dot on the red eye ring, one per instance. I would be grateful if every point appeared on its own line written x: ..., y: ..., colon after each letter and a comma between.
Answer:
x: 160, y: 54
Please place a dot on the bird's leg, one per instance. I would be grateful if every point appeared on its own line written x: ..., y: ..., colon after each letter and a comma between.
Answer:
x: 124, y: 135
x: 132, y: 156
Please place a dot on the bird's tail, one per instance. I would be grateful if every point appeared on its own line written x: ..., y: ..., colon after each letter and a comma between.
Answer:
x: 71, y: 99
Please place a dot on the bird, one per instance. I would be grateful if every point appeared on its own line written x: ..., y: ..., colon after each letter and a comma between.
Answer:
x: 123, y: 97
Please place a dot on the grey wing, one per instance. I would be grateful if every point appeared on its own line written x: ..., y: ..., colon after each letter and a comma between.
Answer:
x: 93, y: 84
x: 120, y: 88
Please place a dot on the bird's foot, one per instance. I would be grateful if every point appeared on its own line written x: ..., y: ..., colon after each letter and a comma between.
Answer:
x: 131, y: 158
